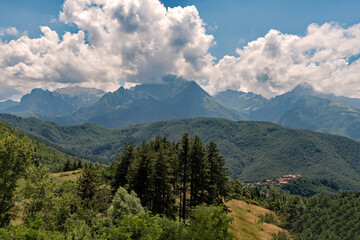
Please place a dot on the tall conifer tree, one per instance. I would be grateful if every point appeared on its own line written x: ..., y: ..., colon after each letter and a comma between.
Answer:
x: 199, y: 173
x: 122, y: 167
x: 184, y: 172
x: 217, y: 173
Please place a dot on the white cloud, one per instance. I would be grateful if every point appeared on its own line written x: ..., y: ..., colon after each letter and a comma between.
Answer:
x: 140, y: 41
x: 10, y: 31
x: 278, y: 62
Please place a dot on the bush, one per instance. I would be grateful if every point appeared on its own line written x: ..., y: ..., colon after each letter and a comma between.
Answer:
x: 268, y: 218
x: 209, y: 223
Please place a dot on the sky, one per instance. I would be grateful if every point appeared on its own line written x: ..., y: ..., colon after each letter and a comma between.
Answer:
x: 265, y: 46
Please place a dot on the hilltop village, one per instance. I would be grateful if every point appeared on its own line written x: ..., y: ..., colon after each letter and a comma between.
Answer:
x: 275, y: 182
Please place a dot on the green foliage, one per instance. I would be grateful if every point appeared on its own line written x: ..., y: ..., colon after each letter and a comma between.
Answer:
x: 122, y: 168
x: 55, y: 209
x: 209, y: 223
x: 144, y: 226
x: 318, y: 217
x: 53, y: 159
x: 15, y: 156
x: 309, y: 187
x: 160, y: 171
x: 218, y: 178
x: 280, y: 236
x: 268, y: 218
x: 172, y: 230
x: 253, y: 150
x: 46, y: 203
x: 199, y: 173
x: 92, y: 190
x: 89, y: 182
x: 124, y: 204
x: 23, y: 232
x: 184, y: 172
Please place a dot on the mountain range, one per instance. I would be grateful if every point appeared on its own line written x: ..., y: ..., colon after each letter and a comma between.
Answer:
x: 301, y: 108
x: 173, y: 98
x: 44, y: 103
x: 253, y: 150
x: 176, y: 98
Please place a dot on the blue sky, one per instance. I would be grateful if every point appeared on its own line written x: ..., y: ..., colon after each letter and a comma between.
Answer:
x: 232, y: 22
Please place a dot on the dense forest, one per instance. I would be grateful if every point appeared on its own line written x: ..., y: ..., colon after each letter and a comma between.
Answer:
x: 159, y: 189
x: 54, y: 159
x: 253, y: 150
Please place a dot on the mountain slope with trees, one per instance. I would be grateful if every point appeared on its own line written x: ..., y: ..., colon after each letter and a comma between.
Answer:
x: 89, y: 209
x: 52, y: 158
x: 253, y: 150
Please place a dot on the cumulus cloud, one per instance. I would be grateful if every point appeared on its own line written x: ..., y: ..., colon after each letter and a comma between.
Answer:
x: 139, y: 41
x: 326, y: 57
x: 10, y: 31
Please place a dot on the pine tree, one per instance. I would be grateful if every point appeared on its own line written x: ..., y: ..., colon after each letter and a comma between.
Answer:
x: 74, y: 166
x: 122, y: 167
x: 164, y: 196
x: 79, y: 166
x: 89, y: 182
x: 199, y: 173
x: 184, y: 172
x: 217, y: 173
x: 140, y: 174
x: 67, y: 166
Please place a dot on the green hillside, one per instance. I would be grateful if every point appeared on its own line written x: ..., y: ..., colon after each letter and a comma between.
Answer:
x: 52, y: 158
x: 254, y: 150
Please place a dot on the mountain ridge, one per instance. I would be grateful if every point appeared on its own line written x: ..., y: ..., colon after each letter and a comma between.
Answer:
x: 174, y: 98
x: 253, y: 150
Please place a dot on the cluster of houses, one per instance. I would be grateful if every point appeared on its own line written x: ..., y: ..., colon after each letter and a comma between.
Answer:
x: 280, y: 181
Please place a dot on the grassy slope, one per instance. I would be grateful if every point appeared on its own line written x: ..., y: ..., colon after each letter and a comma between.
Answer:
x: 254, y: 150
x: 52, y: 158
x: 70, y: 175
x: 246, y: 225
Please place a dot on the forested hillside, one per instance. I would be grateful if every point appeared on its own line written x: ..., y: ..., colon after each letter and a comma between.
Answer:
x: 177, y: 181
x: 172, y: 200
x: 253, y: 150
x: 52, y: 158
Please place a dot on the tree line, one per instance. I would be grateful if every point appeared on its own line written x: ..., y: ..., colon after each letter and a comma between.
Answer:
x: 171, y: 178
x: 138, y: 197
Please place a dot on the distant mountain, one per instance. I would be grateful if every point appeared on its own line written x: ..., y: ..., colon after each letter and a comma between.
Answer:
x: 275, y: 107
x: 301, y: 108
x: 240, y: 101
x: 79, y: 97
x: 306, y: 89
x: 41, y: 102
x: 7, y: 104
x: 173, y: 98
x: 323, y: 115
x: 253, y: 150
